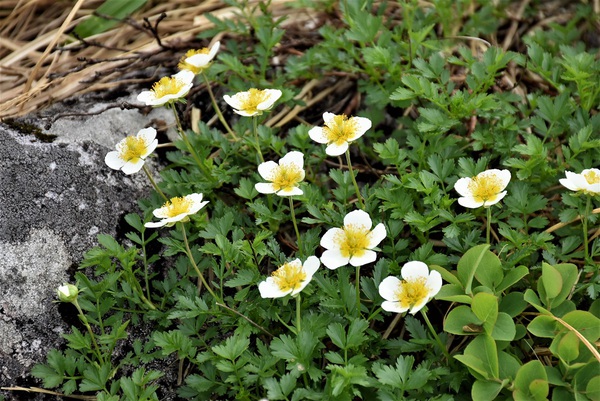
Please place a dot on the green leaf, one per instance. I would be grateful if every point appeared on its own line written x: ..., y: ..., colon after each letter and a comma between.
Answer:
x: 585, y: 323
x: 489, y: 272
x: 485, y: 390
x: 552, y: 282
x: 356, y: 333
x: 512, y: 277
x: 481, y: 356
x: 485, y: 307
x: 504, y: 329
x: 469, y: 263
x: 95, y: 378
x: 543, y: 326
x: 568, y: 347
x: 117, y: 9
x: 233, y: 347
x: 531, y: 382
x: 462, y: 321
x: 453, y: 293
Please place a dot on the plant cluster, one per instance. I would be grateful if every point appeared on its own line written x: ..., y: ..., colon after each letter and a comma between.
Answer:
x: 469, y: 212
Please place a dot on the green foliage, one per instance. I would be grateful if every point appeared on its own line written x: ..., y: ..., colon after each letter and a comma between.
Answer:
x: 184, y: 300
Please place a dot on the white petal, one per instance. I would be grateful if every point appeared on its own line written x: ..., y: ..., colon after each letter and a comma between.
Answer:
x: 234, y: 101
x: 336, y: 150
x: 294, y: 157
x: 328, y: 117
x: 505, y: 177
x: 332, y: 259
x: 434, y: 282
x: 268, y: 289
x: 245, y: 113
x: 316, y: 134
x: 196, y: 207
x: 377, y: 235
x: 293, y: 191
x: 154, y: 224
x: 358, y: 218
x: 148, y: 134
x: 498, y: 199
x: 271, y: 98
x: 388, y: 288
x: 469, y: 202
x: 161, y: 212
x: 268, y: 169
x: 147, y: 97
x: 366, y: 258
x: 131, y: 168
x: 311, y: 265
x: 393, y: 307
x: 418, y: 306
x: 265, y: 187
x: 185, y: 76
x: 363, y: 124
x: 114, y: 161
x: 328, y: 239
x: 414, y: 270
x: 462, y: 186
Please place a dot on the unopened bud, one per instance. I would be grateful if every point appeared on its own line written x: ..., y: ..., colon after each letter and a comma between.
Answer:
x: 67, y: 292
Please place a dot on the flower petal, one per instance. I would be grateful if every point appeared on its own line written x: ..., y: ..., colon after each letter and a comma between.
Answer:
x: 377, y: 235
x: 388, y: 288
x: 366, y: 258
x: 293, y: 157
x: 393, y: 307
x: 332, y: 259
x: 434, y: 282
x: 470, y: 202
x: 114, y: 161
x: 311, y: 265
x: 267, y: 170
x: 265, y: 187
x: 336, y: 150
x: 317, y: 135
x: 363, y: 124
x: 462, y: 186
x: 293, y: 191
x: 414, y: 270
x: 358, y: 218
x: 268, y: 289
x: 271, y: 97
x: 133, y: 167
x: 328, y: 239
x: 155, y: 224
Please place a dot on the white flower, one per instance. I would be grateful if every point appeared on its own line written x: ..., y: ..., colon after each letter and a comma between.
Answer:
x: 339, y: 131
x: 67, y: 292
x: 284, y: 176
x: 197, y: 61
x: 416, y: 288
x: 168, y: 89
x: 291, y: 278
x: 177, y: 210
x: 587, y: 182
x: 253, y: 102
x: 485, y: 189
x: 353, y: 243
x: 132, y: 151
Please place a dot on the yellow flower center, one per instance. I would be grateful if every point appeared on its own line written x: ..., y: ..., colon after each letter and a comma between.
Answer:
x: 289, y: 276
x: 286, y: 177
x: 592, y: 177
x: 340, y: 130
x: 167, y: 86
x: 186, y: 66
x: 410, y: 293
x: 251, y: 99
x: 485, y: 187
x: 177, y: 206
x: 353, y: 241
x: 132, y: 149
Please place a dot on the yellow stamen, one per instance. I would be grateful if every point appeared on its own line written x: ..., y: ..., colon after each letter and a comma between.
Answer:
x: 289, y: 276
x: 177, y: 206
x: 592, y: 177
x: 132, y: 149
x: 340, y: 130
x: 286, y: 177
x: 485, y: 188
x: 353, y: 241
x: 411, y: 293
x: 250, y: 101
x: 167, y: 86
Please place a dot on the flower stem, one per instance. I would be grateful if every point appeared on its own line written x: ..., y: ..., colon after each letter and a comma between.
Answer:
x: 217, y: 109
x: 358, y: 291
x: 587, y: 257
x: 293, y: 213
x: 255, y: 128
x: 437, y: 338
x: 189, y: 146
x: 298, y: 315
x: 489, y: 224
x: 195, y: 266
x: 89, y: 329
x: 153, y: 182
x: 358, y: 195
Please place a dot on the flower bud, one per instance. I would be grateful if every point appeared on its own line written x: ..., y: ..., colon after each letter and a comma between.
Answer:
x: 67, y: 292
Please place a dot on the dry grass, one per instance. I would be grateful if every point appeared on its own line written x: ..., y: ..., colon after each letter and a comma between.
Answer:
x: 40, y: 63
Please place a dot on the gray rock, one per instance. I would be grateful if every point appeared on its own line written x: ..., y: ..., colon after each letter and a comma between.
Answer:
x: 56, y: 195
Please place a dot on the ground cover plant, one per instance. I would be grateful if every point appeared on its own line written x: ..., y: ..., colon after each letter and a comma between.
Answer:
x: 399, y: 201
